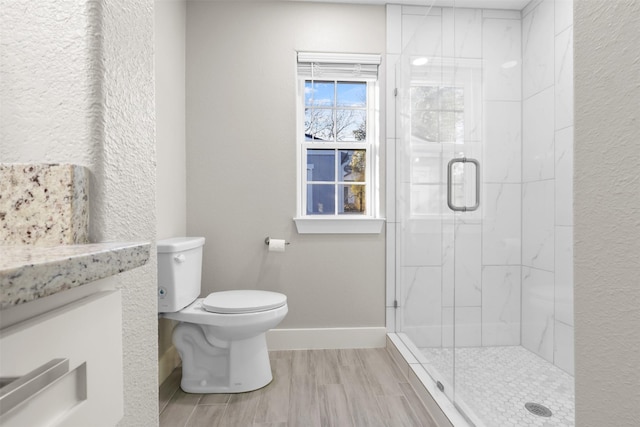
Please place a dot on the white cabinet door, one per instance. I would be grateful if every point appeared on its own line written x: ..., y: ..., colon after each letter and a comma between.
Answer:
x: 88, y: 390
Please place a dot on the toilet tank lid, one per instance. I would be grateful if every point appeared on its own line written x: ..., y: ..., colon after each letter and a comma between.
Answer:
x: 176, y: 244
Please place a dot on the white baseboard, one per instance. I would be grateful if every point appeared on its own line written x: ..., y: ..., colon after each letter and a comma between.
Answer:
x: 316, y: 338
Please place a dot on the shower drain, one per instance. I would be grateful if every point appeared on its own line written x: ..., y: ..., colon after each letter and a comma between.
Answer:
x: 538, y: 409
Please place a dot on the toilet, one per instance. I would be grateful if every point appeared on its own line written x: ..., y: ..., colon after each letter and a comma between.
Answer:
x: 220, y: 338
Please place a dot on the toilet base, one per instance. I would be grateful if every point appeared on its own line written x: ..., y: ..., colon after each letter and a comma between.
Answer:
x: 228, y: 367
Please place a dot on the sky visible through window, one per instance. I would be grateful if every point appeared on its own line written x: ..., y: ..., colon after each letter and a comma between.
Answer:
x: 335, y: 110
x: 323, y: 93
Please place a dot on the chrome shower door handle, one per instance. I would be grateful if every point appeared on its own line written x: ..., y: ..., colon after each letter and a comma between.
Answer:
x: 450, y: 186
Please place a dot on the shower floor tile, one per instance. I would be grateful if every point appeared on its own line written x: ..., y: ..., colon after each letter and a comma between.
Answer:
x: 494, y: 383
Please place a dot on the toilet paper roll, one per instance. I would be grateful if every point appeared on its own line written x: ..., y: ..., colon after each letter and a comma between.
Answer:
x: 276, y: 245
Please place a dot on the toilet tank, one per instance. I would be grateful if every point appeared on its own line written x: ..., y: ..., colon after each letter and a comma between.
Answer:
x: 179, y: 272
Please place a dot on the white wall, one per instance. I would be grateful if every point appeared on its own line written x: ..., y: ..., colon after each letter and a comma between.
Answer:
x: 128, y: 177
x: 170, y: 33
x: 77, y: 87
x: 45, y: 112
x: 171, y: 185
x: 241, y: 158
x: 607, y: 212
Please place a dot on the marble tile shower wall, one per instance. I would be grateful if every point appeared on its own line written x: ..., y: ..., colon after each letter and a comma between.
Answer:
x: 487, y: 266
x: 513, y: 268
x: 547, y: 168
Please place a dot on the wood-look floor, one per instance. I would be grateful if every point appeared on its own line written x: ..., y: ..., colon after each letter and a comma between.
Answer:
x: 311, y: 388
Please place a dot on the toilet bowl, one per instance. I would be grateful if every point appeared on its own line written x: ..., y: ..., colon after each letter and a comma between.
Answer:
x: 221, y: 338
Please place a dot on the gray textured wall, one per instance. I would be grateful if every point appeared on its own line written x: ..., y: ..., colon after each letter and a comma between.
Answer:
x: 607, y: 212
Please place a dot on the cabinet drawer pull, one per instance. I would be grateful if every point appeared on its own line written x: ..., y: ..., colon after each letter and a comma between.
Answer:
x: 28, y: 385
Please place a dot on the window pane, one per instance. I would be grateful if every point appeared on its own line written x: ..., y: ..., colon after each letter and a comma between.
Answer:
x: 352, y: 94
x: 424, y: 98
x: 321, y: 165
x: 447, y: 126
x: 318, y: 124
x: 335, y: 111
x: 447, y: 98
x: 321, y: 199
x: 319, y: 93
x: 424, y: 125
x: 351, y: 125
x: 459, y: 127
x: 353, y: 199
x: 459, y: 99
x: 308, y: 92
x: 352, y: 165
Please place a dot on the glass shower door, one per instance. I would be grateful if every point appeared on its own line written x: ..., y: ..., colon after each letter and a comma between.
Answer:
x: 438, y: 108
x: 483, y: 208
x: 428, y: 118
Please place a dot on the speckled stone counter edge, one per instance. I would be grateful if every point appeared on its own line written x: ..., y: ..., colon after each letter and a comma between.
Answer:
x: 43, y: 204
x: 28, y: 273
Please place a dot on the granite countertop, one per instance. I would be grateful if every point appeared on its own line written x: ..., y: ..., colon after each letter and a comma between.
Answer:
x: 31, y: 272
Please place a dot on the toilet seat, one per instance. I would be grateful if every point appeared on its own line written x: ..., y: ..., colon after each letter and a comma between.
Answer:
x: 243, y: 301
x: 196, y: 313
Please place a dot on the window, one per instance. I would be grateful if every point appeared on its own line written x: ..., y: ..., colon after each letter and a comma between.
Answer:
x: 337, y: 142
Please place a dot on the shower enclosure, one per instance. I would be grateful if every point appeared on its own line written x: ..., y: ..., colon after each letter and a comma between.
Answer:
x: 483, y: 222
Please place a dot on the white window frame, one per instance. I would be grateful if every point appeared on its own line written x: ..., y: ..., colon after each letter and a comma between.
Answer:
x: 370, y: 222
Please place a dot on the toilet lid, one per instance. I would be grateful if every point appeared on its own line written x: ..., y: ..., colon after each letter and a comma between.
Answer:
x: 245, y: 301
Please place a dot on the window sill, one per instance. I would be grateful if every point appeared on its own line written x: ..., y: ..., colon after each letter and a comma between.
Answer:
x: 348, y: 225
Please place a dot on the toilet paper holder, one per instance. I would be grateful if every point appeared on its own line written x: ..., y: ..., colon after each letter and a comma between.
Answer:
x: 266, y: 241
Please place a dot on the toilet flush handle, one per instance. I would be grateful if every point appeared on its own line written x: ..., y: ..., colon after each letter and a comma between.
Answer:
x: 179, y: 258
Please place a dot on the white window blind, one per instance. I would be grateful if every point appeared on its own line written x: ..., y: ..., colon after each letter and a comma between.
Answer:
x: 316, y: 66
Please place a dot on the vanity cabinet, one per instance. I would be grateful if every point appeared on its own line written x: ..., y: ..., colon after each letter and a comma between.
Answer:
x: 61, y: 333
x: 68, y: 364
x: 60, y: 308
